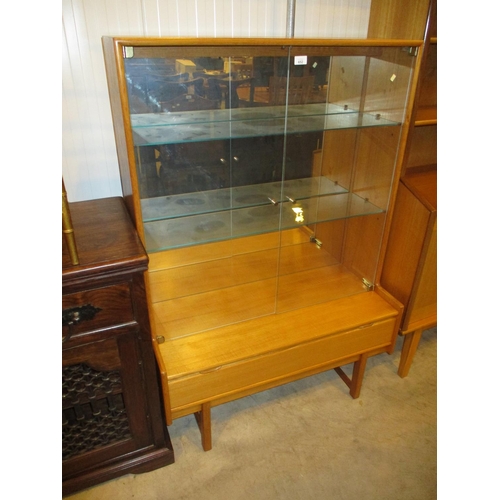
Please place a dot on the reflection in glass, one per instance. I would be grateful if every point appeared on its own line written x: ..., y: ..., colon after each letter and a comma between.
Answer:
x: 241, y: 143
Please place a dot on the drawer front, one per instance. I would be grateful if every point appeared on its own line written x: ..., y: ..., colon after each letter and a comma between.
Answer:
x: 97, y: 309
x: 192, y: 389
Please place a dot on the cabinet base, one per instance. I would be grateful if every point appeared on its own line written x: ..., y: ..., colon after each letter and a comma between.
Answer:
x: 204, y: 419
x: 146, y: 462
x: 218, y: 366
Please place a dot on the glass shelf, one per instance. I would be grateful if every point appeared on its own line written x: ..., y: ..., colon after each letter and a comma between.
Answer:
x: 252, y: 220
x: 220, y: 156
x: 182, y: 205
x: 151, y: 129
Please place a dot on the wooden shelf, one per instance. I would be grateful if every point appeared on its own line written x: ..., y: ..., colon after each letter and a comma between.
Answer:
x: 426, y: 116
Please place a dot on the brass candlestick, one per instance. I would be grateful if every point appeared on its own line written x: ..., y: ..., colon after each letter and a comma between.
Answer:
x: 68, y: 228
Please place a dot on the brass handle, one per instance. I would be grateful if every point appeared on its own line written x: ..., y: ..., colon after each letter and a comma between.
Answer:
x: 73, y: 316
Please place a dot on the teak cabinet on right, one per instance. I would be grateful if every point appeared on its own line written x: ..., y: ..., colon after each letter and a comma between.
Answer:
x: 410, y: 267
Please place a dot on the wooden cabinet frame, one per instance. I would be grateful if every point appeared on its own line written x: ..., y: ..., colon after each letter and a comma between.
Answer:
x: 410, y: 268
x: 232, y: 360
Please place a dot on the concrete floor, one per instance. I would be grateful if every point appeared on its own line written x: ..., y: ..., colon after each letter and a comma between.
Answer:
x: 308, y: 440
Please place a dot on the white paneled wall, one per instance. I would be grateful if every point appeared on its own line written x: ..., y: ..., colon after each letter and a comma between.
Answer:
x: 90, y: 165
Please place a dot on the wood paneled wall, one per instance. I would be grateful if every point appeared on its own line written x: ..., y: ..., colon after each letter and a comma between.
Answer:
x: 90, y: 165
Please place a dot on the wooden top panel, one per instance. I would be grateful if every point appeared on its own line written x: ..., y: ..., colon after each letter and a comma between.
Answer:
x: 262, y: 42
x: 106, y: 240
x: 214, y: 348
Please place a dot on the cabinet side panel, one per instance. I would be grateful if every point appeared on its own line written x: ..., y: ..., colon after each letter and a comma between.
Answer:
x: 116, y: 98
x: 423, y: 305
x: 405, y: 245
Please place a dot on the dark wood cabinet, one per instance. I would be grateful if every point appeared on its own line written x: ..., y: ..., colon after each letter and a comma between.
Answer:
x: 112, y: 421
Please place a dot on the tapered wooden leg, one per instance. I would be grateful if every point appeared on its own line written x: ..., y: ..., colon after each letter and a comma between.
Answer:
x: 410, y: 345
x: 357, y: 376
x: 204, y: 420
x: 358, y: 372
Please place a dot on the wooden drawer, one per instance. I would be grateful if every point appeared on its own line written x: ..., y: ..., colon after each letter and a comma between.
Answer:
x: 259, y: 370
x: 97, y: 309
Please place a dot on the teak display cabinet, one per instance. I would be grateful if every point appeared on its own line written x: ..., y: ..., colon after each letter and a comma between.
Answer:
x: 410, y: 267
x: 260, y: 175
